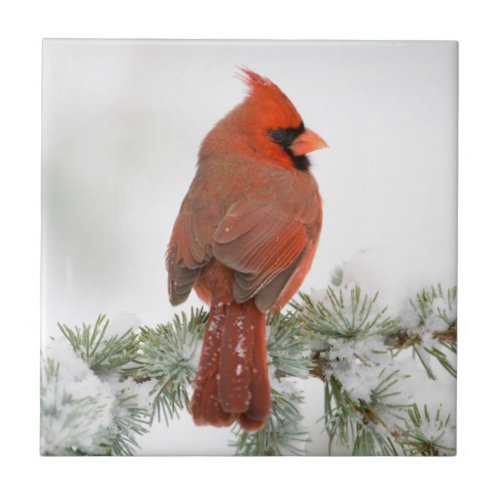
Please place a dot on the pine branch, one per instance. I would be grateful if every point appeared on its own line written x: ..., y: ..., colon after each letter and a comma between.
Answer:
x: 66, y: 419
x: 424, y: 435
x: 288, y: 348
x: 129, y: 421
x: 169, y: 354
x: 100, y: 353
x: 346, y: 314
x: 282, y: 434
x: 436, y: 318
x: 351, y: 359
x: 346, y: 340
x: 104, y: 356
x: 362, y: 424
x: 433, y: 302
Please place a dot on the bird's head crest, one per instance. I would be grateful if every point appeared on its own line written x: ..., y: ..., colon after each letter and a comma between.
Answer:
x: 268, y: 97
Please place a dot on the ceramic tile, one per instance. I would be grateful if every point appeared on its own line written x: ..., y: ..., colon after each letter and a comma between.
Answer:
x: 362, y: 361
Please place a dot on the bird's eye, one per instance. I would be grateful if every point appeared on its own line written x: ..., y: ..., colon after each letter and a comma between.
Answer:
x: 278, y: 135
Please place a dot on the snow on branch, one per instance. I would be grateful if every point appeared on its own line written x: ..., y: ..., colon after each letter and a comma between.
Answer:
x: 101, y: 391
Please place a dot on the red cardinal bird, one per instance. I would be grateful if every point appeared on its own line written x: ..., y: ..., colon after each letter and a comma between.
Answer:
x: 245, y: 238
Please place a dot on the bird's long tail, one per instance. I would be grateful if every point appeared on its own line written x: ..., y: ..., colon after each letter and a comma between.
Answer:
x: 232, y: 380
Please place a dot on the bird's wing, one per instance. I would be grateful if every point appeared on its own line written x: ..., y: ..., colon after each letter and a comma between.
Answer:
x: 263, y: 244
x: 190, y: 247
x: 248, y: 224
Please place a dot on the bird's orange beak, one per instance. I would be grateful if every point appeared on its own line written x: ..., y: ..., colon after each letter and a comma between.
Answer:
x: 306, y: 142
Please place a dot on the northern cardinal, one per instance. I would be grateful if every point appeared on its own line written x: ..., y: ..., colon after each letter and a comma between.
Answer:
x: 245, y: 238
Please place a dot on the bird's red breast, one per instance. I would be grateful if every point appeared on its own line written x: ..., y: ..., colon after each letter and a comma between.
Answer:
x: 245, y: 238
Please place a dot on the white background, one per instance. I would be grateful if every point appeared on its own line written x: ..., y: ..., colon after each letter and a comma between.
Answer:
x: 472, y: 472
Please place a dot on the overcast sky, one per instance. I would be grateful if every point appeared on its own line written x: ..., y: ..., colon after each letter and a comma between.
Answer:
x: 123, y: 121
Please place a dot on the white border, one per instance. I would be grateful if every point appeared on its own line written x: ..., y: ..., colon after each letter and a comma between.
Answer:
x: 22, y: 27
